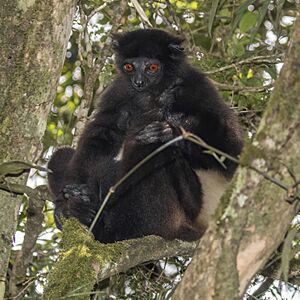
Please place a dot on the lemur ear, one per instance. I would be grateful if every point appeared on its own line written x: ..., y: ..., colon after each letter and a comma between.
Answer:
x: 176, y: 48
x: 115, y: 40
x: 176, y: 51
x: 115, y: 44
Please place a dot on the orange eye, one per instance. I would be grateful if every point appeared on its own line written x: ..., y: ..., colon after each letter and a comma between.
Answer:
x: 128, y: 67
x: 153, y: 68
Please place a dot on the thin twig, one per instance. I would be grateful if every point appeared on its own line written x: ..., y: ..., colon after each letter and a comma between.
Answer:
x: 95, y: 11
x: 296, y: 183
x: 80, y: 35
x: 29, y: 283
x: 175, y: 18
x: 252, y: 297
x: 197, y: 140
x: 245, y: 89
x: 127, y: 175
x: 267, y: 59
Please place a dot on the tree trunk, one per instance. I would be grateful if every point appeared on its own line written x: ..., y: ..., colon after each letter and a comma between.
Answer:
x: 255, y: 213
x: 34, y: 36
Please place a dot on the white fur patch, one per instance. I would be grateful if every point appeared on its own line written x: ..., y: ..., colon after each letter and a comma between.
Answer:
x: 213, y: 186
x: 119, y: 156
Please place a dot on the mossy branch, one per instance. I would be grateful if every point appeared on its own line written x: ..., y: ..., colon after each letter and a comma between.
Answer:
x: 90, y: 261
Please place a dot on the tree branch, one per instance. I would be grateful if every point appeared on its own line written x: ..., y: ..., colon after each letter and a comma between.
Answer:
x: 146, y: 249
x: 266, y: 59
x: 244, y: 89
x: 252, y: 219
x: 92, y: 261
x: 33, y: 228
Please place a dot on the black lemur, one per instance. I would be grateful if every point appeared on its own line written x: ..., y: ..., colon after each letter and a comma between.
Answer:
x: 155, y: 93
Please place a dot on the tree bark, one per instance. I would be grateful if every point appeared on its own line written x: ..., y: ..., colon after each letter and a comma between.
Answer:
x: 254, y: 214
x: 34, y: 36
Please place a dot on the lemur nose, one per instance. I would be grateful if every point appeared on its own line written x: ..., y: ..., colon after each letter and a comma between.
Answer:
x: 139, y: 83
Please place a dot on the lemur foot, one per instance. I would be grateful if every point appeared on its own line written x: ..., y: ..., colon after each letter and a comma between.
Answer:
x: 74, y: 201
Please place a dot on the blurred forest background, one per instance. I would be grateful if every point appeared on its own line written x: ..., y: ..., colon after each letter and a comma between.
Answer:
x: 240, y: 45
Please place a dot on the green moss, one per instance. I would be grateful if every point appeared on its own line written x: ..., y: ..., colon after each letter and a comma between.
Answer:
x: 250, y: 153
x: 81, y: 257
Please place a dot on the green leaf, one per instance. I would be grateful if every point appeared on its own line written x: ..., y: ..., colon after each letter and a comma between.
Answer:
x: 203, y: 41
x: 212, y: 15
x: 141, y: 12
x: 272, y: 71
x: 15, y: 167
x: 248, y: 21
x: 279, y: 7
x: 240, y: 13
x: 262, y: 13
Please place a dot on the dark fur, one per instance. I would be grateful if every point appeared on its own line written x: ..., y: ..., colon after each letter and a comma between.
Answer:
x: 164, y: 196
